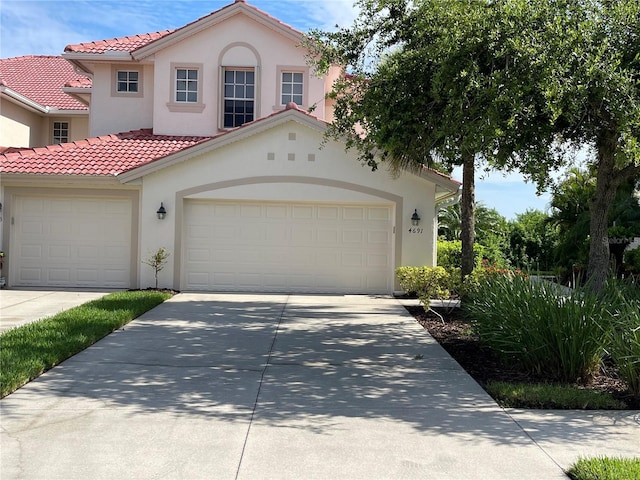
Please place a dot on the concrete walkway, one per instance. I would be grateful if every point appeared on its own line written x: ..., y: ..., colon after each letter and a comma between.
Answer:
x: 21, y: 306
x: 219, y: 386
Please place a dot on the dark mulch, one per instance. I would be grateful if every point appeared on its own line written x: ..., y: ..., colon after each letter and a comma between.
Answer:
x: 457, y: 338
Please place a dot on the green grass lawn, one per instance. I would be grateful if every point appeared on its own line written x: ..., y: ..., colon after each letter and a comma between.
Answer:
x: 29, y: 350
x: 605, y: 468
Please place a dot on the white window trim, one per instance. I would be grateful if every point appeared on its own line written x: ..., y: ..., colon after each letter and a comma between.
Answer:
x: 114, y: 80
x: 280, y: 69
x: 185, y: 107
x: 256, y: 92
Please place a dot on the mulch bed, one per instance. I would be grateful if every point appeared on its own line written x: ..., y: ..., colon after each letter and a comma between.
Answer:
x: 484, y: 366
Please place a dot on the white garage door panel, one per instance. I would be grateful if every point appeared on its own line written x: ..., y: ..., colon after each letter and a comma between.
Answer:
x: 287, y: 247
x: 74, y: 242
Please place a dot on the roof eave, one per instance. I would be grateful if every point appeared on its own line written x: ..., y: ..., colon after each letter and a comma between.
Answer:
x: 57, y: 112
x: 77, y: 93
x: 58, y: 179
x: 83, y: 60
x: 447, y: 186
x: 213, y: 19
x: 23, y: 101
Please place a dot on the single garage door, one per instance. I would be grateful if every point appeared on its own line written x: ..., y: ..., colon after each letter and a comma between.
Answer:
x: 287, y: 247
x: 71, y: 242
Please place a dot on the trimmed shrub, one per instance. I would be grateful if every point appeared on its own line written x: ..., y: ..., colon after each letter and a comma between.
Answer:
x: 429, y: 283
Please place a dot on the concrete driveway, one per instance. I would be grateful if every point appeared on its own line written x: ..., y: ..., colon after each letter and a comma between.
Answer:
x: 220, y: 386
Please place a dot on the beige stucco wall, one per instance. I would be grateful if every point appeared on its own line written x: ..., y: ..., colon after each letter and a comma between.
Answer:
x: 236, y: 42
x: 78, y: 127
x: 115, y: 114
x: 243, y: 171
x: 19, y: 127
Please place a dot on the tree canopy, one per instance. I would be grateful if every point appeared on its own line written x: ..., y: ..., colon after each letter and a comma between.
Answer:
x: 511, y: 82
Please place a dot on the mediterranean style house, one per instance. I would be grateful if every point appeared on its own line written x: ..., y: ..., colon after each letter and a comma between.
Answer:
x: 208, y: 141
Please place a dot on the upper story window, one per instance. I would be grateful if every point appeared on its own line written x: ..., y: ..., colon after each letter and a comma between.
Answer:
x: 126, y: 81
x: 60, y: 132
x: 292, y: 88
x: 187, y: 85
x: 186, y: 88
x: 292, y: 85
x: 239, y: 97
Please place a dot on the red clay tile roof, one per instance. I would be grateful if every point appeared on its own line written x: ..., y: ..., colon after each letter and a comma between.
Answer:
x: 41, y: 78
x: 119, y: 44
x: 106, y: 155
x: 131, y: 43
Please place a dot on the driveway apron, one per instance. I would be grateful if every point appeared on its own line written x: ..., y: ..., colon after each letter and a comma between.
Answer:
x: 231, y: 386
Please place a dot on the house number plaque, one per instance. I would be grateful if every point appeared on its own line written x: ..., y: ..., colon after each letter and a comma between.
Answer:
x: 416, y: 230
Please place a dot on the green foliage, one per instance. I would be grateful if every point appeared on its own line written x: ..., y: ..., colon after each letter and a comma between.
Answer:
x: 548, y: 331
x: 429, y: 282
x: 547, y: 396
x: 29, y: 350
x: 516, y: 84
x: 450, y: 253
x: 605, y: 468
x: 532, y: 241
x: 157, y: 261
x: 624, y: 341
x: 559, y: 333
x: 632, y: 260
x: 570, y: 215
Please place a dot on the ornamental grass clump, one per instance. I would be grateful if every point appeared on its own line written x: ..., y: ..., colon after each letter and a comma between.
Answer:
x: 624, y: 341
x: 559, y: 334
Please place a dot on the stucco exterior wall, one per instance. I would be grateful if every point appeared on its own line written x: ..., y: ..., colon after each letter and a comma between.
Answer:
x: 19, y: 127
x: 78, y: 128
x: 115, y: 114
x: 236, y: 42
x: 244, y: 170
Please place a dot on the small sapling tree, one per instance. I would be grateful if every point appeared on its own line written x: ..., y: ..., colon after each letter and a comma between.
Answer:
x: 157, y: 261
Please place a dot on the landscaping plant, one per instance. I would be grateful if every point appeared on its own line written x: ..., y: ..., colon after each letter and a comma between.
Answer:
x: 557, y: 333
x: 605, y: 468
x: 429, y: 283
x: 624, y: 344
x: 157, y: 261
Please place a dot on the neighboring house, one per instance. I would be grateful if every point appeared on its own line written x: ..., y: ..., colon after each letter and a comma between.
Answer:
x: 219, y: 135
x: 41, y: 102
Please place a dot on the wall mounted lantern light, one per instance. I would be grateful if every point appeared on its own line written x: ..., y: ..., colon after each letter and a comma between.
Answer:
x: 415, y: 218
x: 161, y: 212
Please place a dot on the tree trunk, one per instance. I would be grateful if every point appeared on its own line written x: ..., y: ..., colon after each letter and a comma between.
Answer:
x: 467, y: 211
x: 606, y: 186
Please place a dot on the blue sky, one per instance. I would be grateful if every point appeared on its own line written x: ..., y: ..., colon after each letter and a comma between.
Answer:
x: 45, y: 27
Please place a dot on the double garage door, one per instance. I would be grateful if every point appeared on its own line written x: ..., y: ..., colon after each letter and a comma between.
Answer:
x: 71, y: 242
x: 287, y: 247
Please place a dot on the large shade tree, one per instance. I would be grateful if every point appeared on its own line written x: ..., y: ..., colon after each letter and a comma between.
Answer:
x: 511, y: 82
x: 428, y: 84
